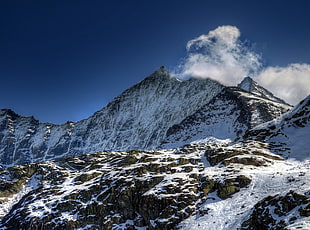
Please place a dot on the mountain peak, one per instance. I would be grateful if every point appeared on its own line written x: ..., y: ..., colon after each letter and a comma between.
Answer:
x: 161, y: 74
x: 249, y: 85
x: 162, y: 71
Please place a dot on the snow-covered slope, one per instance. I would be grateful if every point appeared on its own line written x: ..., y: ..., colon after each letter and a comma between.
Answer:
x: 137, y: 119
x: 289, y: 134
x: 227, y: 116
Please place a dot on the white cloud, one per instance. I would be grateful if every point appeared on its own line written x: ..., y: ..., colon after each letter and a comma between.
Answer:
x: 291, y: 83
x: 219, y: 55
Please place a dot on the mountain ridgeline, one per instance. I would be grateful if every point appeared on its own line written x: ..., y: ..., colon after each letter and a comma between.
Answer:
x: 145, y: 116
x: 136, y: 119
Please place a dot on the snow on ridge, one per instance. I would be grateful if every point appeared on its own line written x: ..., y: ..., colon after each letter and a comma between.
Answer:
x: 303, y: 105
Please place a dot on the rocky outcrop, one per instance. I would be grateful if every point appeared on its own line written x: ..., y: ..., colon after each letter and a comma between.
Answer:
x: 183, y: 188
x: 154, y: 190
x: 279, y: 212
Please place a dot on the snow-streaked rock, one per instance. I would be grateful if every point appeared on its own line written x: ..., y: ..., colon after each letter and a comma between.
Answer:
x: 248, y: 84
x: 208, y: 184
x: 193, y: 187
x: 227, y: 116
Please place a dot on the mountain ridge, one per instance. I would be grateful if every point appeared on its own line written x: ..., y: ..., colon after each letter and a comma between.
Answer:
x: 136, y: 119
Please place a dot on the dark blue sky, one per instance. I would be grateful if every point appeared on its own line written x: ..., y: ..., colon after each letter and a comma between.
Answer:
x: 64, y: 60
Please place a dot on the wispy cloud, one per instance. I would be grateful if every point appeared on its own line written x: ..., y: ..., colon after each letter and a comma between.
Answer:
x: 219, y: 55
x: 222, y: 56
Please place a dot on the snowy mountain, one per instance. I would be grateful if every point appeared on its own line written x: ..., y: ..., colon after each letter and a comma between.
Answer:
x: 211, y: 157
x: 137, y: 119
x: 227, y: 116
x: 143, y: 117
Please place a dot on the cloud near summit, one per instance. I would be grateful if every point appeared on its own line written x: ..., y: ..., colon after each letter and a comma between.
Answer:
x: 219, y: 55
x: 222, y: 56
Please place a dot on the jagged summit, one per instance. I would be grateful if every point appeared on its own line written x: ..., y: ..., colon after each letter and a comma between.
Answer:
x: 160, y: 74
x: 8, y: 112
x: 248, y: 84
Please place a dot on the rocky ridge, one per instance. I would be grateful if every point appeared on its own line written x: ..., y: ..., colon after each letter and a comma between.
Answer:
x: 249, y: 85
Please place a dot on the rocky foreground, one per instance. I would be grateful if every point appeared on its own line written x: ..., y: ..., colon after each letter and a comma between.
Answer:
x: 241, y: 186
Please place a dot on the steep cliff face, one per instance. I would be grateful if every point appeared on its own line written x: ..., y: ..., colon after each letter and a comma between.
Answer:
x: 137, y: 119
x: 227, y: 116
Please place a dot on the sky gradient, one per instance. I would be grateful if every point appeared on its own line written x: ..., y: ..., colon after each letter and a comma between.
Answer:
x: 64, y: 60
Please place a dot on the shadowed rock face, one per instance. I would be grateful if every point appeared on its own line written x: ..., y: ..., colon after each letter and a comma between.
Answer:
x: 137, y: 119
